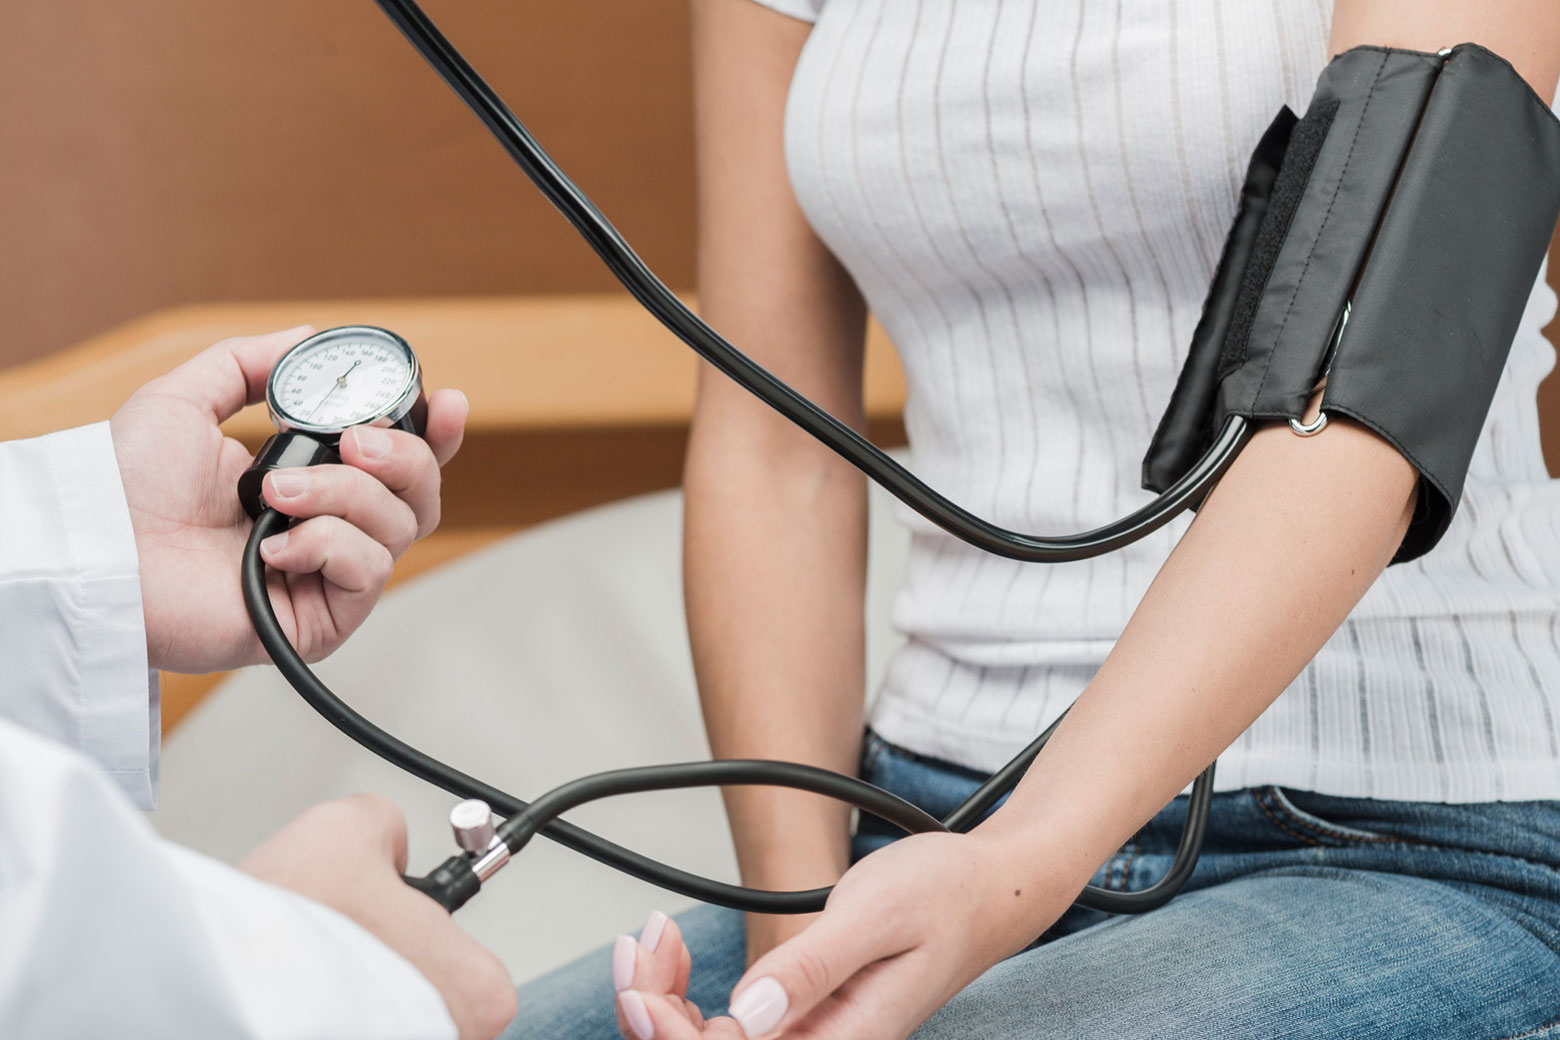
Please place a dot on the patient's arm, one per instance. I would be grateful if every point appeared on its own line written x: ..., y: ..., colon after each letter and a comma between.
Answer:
x: 775, y: 535
x: 1283, y: 549
x: 1524, y: 32
x: 1285, y: 546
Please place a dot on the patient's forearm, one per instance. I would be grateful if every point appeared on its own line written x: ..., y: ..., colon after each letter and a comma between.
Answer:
x: 775, y: 530
x: 775, y: 568
x: 1282, y: 550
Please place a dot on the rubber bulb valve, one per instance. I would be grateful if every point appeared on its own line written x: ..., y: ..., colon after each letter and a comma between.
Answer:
x: 472, y: 822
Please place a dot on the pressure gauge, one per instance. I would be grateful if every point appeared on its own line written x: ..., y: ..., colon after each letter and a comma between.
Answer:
x: 352, y: 376
x: 357, y: 375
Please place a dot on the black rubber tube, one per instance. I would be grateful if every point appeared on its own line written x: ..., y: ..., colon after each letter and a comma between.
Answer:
x: 642, y: 283
x: 660, y: 301
x: 526, y: 819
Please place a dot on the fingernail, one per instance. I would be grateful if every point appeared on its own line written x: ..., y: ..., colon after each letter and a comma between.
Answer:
x: 289, y: 483
x: 650, y: 937
x: 372, y: 441
x: 623, y: 962
x: 760, y: 1007
x: 636, y: 1014
x: 274, y: 544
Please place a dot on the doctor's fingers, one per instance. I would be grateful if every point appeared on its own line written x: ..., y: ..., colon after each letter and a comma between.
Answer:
x: 225, y: 377
x: 446, y: 425
x: 351, y: 495
x: 344, y: 836
x: 372, y: 823
x: 407, y: 464
x: 354, y: 566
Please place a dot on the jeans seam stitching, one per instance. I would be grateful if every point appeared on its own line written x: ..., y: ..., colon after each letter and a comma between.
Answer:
x: 1323, y: 831
x: 1307, y: 838
x: 1116, y: 861
x: 1126, y: 867
x: 1532, y: 1033
x: 1404, y: 842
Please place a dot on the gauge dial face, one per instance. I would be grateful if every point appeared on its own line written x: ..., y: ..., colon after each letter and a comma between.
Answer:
x: 343, y: 377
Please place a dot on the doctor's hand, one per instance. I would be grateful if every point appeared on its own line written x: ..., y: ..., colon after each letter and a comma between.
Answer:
x: 349, y: 854
x: 904, y: 930
x: 180, y: 473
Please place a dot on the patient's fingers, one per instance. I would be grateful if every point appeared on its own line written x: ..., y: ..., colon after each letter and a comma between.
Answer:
x: 663, y: 938
x: 645, y: 977
x: 634, y: 967
x: 684, y: 967
x: 665, y: 1018
x: 657, y: 962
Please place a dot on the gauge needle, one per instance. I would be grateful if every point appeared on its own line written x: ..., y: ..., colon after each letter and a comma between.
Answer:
x: 340, y: 382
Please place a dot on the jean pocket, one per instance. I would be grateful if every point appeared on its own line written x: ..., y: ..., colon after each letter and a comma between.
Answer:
x: 1280, y: 807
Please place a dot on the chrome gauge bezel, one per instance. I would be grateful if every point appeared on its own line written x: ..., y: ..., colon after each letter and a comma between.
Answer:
x: 393, y: 415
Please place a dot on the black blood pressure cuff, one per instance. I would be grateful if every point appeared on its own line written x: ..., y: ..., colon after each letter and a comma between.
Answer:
x: 1385, y: 243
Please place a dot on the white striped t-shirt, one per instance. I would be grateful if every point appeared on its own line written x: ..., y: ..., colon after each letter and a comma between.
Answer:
x: 1032, y: 197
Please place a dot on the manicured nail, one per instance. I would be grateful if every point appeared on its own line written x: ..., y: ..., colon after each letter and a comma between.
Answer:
x: 372, y: 441
x: 623, y: 962
x: 760, y: 1007
x: 636, y: 1014
x: 289, y: 483
x: 274, y: 544
x: 650, y: 936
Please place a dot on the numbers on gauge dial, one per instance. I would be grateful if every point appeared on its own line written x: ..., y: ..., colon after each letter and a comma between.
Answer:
x: 342, y: 382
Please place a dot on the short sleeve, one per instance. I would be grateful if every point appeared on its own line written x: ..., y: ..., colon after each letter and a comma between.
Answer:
x: 806, y: 10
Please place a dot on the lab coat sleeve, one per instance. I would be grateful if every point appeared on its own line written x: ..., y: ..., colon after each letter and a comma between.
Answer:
x: 107, y: 930
x: 72, y: 637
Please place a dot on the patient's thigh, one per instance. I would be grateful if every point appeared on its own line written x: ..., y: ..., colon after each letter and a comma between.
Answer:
x: 1295, y: 952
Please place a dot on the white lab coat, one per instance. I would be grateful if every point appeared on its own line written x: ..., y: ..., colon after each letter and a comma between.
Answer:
x: 106, y: 930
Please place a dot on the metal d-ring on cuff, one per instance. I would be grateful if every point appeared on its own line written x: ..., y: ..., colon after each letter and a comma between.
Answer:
x: 1310, y: 429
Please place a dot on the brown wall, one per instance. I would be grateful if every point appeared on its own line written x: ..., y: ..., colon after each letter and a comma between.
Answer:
x: 165, y: 151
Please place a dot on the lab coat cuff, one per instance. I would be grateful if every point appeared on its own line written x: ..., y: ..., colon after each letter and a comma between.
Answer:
x: 120, y: 706
x: 300, y: 968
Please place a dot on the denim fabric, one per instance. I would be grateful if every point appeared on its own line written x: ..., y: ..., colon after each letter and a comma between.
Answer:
x: 1307, y: 916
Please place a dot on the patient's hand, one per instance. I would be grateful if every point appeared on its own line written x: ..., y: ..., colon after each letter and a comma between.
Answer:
x: 651, y: 977
x: 180, y: 474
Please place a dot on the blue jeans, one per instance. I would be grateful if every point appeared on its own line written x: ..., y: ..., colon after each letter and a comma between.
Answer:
x: 1308, y: 916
